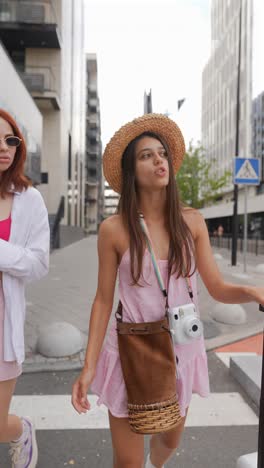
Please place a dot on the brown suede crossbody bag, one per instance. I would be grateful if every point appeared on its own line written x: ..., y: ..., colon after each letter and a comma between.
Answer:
x: 149, y: 367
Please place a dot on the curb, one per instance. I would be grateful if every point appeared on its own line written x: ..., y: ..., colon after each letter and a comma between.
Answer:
x: 223, y: 340
x: 38, y: 363
x: 247, y: 372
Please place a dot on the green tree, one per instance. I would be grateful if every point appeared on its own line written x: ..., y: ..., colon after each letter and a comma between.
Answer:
x: 197, y: 181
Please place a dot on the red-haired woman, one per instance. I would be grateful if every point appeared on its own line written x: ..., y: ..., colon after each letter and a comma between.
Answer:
x: 24, y: 256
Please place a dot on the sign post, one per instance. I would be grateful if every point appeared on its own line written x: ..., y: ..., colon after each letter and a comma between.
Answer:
x: 245, y: 229
x: 246, y: 172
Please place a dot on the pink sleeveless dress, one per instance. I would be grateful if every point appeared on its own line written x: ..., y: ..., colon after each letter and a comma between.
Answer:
x: 145, y: 304
x: 8, y: 370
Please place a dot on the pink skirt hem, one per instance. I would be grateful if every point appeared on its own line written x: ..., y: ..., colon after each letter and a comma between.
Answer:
x: 109, y: 384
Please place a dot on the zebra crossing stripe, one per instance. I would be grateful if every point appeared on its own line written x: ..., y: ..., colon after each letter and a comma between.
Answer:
x: 55, y: 412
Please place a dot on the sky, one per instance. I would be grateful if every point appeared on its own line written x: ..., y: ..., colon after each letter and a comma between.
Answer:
x: 162, y: 45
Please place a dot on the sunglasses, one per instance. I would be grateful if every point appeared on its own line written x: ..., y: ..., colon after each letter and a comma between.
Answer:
x: 11, y: 140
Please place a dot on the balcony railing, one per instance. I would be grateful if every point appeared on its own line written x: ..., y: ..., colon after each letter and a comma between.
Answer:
x: 92, y: 101
x: 93, y: 120
x: 93, y: 134
x: 92, y: 148
x: 254, y: 245
x: 25, y: 11
x: 39, y: 79
x: 92, y: 87
x: 33, y: 23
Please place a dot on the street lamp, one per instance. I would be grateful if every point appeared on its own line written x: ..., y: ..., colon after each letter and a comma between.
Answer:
x: 235, y: 218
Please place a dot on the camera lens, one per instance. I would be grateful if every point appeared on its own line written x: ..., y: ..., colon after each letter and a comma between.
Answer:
x: 192, y: 327
x: 176, y: 317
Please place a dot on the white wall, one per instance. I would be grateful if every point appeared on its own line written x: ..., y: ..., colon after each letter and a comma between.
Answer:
x: 15, y: 99
x: 67, y: 65
x: 220, y: 85
x: 255, y: 204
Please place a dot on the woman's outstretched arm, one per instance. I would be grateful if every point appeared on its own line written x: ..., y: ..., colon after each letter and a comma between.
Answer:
x: 217, y: 287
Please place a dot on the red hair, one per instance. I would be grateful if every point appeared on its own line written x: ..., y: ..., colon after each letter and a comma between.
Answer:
x: 14, y: 175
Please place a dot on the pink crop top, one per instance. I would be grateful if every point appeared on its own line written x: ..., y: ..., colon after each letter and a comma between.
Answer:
x: 5, y: 228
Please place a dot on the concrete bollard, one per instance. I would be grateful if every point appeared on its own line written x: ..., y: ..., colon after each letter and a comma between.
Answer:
x: 218, y: 256
x: 260, y: 268
x: 59, y: 339
x: 233, y: 314
x: 248, y: 461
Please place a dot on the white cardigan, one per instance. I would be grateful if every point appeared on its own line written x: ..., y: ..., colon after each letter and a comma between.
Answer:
x: 24, y: 258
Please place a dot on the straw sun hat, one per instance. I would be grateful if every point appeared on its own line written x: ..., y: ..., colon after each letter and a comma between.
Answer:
x: 157, y: 123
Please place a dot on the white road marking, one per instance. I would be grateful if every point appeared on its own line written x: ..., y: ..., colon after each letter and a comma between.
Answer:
x: 225, y: 357
x: 220, y: 409
x: 55, y: 412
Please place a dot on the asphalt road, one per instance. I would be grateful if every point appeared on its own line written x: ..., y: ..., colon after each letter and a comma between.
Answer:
x: 231, y: 431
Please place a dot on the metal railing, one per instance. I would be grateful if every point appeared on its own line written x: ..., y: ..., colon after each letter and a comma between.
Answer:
x: 93, y: 102
x: 55, y: 225
x: 93, y: 133
x: 254, y: 245
x: 26, y: 11
x: 38, y: 79
x: 92, y: 148
x: 93, y: 120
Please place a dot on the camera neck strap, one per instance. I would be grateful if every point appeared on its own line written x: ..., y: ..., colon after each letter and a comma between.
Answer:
x: 164, y: 290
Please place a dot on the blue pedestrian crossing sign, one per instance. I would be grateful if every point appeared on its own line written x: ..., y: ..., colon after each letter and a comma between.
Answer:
x: 246, y: 171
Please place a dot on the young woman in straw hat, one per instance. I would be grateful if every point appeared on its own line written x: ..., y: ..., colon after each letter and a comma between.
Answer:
x: 140, y: 162
x: 24, y: 257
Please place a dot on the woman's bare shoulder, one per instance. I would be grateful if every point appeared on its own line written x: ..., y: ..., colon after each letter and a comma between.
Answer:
x: 112, y: 223
x: 194, y: 220
x: 112, y: 228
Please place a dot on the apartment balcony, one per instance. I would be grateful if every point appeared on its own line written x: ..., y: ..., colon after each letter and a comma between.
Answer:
x: 92, y: 164
x: 93, y: 134
x: 93, y: 120
x: 40, y: 82
x: 92, y: 102
x: 93, y: 147
x: 90, y: 199
x: 92, y: 88
x: 92, y: 183
x: 31, y: 24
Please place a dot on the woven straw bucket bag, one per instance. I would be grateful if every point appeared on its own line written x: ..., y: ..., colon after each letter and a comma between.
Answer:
x: 149, y: 366
x: 149, y: 370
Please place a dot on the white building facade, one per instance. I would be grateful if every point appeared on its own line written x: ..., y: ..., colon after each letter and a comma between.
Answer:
x: 94, y: 194
x: 258, y: 133
x: 219, y: 92
x: 45, y: 41
x: 16, y: 100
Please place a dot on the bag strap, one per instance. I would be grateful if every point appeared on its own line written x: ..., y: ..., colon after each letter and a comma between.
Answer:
x: 119, y: 311
x: 153, y: 256
x: 155, y: 263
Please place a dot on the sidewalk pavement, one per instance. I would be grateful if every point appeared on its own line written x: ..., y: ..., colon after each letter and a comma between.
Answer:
x: 67, y: 292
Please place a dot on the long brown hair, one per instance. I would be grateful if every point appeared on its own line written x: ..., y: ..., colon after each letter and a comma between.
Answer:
x: 181, y: 247
x: 14, y: 175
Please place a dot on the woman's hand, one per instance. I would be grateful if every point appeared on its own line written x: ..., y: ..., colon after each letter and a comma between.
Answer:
x: 80, y: 387
x: 257, y: 294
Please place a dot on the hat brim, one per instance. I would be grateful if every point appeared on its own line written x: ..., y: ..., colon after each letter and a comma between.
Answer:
x: 156, y: 123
